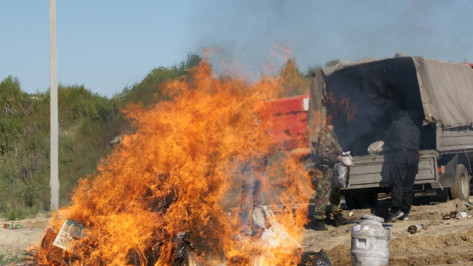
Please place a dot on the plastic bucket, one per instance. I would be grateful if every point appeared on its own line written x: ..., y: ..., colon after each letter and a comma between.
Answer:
x: 370, y: 242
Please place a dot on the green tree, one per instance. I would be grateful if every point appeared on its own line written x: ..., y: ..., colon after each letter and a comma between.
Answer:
x: 332, y: 63
x: 291, y: 80
x: 148, y: 91
x: 311, y: 70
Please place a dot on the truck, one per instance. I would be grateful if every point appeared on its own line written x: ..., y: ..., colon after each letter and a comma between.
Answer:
x: 361, y: 98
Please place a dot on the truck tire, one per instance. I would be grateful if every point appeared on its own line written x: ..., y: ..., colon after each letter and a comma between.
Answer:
x: 461, y: 189
x: 442, y: 195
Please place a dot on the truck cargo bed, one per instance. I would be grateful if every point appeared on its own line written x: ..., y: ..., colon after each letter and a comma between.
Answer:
x: 373, y: 170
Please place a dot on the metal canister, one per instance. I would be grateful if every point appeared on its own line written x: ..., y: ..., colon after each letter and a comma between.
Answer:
x: 370, y: 242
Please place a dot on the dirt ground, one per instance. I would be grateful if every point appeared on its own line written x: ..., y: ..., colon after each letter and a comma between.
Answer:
x: 14, y: 243
x: 444, y: 242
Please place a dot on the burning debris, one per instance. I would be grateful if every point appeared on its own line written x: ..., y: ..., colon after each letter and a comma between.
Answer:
x: 313, y: 258
x: 70, y: 231
x: 165, y: 196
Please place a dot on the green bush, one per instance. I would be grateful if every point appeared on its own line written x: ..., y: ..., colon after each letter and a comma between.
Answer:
x: 87, y: 124
x: 9, y: 259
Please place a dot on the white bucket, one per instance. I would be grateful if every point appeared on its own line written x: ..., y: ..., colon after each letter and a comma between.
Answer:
x: 370, y: 242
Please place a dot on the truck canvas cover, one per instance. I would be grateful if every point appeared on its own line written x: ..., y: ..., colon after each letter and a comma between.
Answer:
x: 446, y: 89
x: 362, y: 98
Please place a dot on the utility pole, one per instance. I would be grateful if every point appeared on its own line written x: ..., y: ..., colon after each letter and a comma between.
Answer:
x: 54, y: 121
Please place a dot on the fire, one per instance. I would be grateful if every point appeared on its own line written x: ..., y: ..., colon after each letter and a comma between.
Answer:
x: 178, y: 179
x: 342, y: 105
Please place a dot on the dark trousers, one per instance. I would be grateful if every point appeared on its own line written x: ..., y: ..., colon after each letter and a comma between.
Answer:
x: 404, y: 169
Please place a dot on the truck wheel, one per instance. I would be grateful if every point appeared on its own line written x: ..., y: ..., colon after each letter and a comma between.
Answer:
x: 461, y: 189
x: 441, y: 195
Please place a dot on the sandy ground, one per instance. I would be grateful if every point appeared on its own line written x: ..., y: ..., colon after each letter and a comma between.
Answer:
x: 15, y: 242
x: 444, y: 242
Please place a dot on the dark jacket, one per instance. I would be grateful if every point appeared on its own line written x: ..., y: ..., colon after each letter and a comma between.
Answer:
x: 403, y: 134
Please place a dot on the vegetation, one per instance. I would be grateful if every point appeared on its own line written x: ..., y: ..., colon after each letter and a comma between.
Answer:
x: 292, y: 81
x: 150, y: 86
x: 87, y: 124
x: 9, y: 260
x: 332, y: 63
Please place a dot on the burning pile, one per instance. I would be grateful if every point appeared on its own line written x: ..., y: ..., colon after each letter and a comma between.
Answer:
x: 166, y: 195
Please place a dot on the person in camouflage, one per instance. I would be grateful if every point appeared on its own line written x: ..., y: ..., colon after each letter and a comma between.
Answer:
x: 326, y: 201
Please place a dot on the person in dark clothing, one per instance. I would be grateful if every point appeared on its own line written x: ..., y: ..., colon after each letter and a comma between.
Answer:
x: 402, y: 139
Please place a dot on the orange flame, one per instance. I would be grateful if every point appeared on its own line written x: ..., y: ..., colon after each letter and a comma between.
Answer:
x: 175, y: 174
x: 341, y: 105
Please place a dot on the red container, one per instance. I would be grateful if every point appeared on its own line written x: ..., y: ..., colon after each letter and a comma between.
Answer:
x: 286, y: 120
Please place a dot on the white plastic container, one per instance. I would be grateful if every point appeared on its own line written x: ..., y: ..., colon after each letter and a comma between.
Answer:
x: 370, y: 242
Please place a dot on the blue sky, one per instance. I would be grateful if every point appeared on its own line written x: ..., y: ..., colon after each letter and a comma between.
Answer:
x: 109, y: 45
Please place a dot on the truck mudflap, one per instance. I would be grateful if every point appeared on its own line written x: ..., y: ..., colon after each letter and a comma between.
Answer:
x: 371, y: 171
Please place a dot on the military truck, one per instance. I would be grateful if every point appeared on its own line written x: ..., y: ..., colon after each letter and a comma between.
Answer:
x: 360, y: 99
